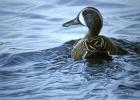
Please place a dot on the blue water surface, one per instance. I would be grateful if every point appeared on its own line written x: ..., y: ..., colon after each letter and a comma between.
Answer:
x: 35, y: 61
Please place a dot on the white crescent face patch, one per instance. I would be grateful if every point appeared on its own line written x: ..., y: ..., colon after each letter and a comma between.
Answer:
x: 81, y: 19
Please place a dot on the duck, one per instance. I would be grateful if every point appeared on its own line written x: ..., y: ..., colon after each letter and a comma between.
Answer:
x: 92, y: 43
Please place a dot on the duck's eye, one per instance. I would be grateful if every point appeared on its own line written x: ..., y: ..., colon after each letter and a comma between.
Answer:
x: 81, y: 18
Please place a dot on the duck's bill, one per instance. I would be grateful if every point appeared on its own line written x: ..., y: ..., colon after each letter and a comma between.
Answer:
x: 71, y: 22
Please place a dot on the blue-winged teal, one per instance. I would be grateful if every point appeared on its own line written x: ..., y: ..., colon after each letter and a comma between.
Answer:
x: 92, y: 43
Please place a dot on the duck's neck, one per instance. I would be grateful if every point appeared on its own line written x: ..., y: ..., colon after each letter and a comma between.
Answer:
x: 92, y: 34
x: 94, y: 30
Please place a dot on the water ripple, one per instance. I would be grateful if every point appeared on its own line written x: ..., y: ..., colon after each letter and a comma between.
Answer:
x: 33, y: 67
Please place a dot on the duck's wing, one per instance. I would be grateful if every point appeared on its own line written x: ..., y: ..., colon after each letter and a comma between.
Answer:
x: 114, y: 48
x: 110, y: 46
x: 100, y: 44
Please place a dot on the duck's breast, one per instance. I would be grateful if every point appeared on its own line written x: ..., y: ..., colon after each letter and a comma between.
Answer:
x: 78, y: 50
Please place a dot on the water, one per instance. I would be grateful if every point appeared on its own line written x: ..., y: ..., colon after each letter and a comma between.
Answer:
x: 35, y: 61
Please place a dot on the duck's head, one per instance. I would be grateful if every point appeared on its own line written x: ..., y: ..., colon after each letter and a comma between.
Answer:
x: 89, y: 17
